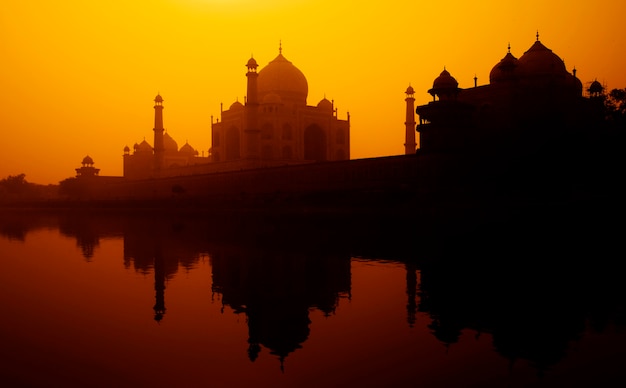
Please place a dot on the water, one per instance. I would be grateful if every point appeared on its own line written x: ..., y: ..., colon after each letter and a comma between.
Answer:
x: 114, y: 300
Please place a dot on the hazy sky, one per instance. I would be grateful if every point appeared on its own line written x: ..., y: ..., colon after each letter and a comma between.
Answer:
x: 78, y: 77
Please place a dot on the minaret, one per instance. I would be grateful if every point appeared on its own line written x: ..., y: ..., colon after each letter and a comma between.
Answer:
x: 409, y: 142
x: 251, y: 133
x: 159, y: 148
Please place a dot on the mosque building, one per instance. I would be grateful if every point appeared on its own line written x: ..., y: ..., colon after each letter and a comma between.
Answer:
x: 528, y: 101
x: 148, y: 161
x: 528, y: 114
x: 274, y: 126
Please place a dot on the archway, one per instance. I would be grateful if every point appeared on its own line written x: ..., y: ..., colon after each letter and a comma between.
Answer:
x: 314, y: 143
x: 232, y: 144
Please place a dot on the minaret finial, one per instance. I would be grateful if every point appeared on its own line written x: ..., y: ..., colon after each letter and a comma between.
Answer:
x: 280, y: 46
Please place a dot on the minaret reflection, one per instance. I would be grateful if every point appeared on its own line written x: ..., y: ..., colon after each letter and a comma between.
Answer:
x: 511, y: 285
x: 159, y: 286
x: 411, y: 291
x: 274, y: 284
x: 276, y: 289
x: 161, y: 246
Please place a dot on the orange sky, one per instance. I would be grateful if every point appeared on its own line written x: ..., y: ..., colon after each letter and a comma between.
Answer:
x: 78, y: 77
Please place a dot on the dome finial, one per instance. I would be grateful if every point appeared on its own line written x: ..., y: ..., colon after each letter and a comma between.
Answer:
x: 509, y: 48
x: 280, y: 46
x: 537, y: 35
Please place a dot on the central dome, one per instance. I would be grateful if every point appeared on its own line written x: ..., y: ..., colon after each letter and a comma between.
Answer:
x: 540, y: 60
x: 281, y: 77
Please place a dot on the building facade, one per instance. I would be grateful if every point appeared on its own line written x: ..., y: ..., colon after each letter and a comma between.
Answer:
x: 275, y: 123
x: 274, y: 127
x: 165, y: 157
x: 528, y: 101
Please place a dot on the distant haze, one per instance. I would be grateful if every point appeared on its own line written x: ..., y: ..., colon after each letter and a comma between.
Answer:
x: 78, y: 77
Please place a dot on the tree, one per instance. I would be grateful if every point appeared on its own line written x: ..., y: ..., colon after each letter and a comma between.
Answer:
x: 15, y: 187
x: 615, y: 108
x: 15, y: 184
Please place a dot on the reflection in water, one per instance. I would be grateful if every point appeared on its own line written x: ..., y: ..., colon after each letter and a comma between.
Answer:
x: 535, y: 287
x: 535, y: 291
x: 275, y: 289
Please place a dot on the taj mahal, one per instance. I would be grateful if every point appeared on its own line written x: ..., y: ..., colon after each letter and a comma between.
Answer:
x: 274, y: 126
x: 274, y: 145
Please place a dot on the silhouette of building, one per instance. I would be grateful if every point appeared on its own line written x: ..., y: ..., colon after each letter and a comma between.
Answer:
x: 275, y: 126
x: 527, y: 101
x: 88, y: 183
x: 409, y: 141
x: 276, y: 289
x: 87, y: 169
x: 276, y: 123
x: 519, y: 132
x: 147, y: 161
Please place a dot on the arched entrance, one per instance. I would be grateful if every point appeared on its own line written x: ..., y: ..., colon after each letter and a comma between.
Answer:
x: 314, y: 143
x: 232, y: 144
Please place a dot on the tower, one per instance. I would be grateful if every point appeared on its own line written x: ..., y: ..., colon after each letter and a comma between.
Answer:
x: 409, y: 137
x: 251, y: 133
x: 87, y: 169
x: 159, y: 147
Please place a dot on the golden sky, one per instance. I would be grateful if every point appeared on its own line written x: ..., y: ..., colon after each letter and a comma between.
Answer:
x: 79, y: 77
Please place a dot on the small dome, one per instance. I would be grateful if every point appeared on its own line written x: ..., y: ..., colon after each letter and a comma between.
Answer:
x: 169, y: 144
x: 126, y: 149
x: 281, y: 77
x: 503, y: 70
x: 144, y: 146
x: 187, y: 149
x: 445, y: 81
x: 252, y: 64
x: 445, y: 86
x: 540, y: 60
x: 158, y: 98
x: 272, y: 98
x: 595, y: 87
x: 236, y: 105
x: 410, y: 90
x: 87, y: 161
x: 325, y: 105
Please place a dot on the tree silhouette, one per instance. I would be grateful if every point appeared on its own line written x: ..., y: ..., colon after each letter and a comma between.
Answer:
x: 615, y: 108
x: 14, y: 184
x: 15, y: 187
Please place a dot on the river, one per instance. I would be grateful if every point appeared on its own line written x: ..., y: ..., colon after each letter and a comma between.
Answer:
x: 138, y: 300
